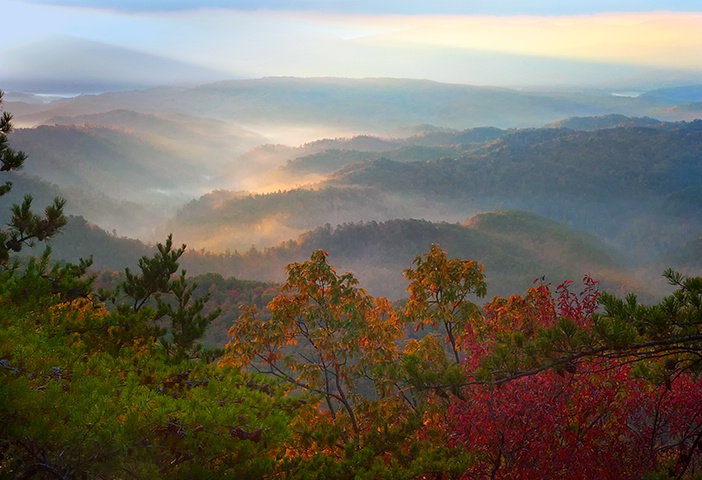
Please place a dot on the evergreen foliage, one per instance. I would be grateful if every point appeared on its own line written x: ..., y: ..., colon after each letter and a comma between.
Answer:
x: 25, y: 226
x: 187, y: 323
x: 155, y: 274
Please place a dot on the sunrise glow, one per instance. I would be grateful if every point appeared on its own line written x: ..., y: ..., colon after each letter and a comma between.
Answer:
x: 245, y: 43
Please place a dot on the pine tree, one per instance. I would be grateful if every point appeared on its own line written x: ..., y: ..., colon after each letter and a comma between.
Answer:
x: 25, y: 226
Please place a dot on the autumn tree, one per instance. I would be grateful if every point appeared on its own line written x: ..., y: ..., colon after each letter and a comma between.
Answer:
x: 326, y: 336
x: 535, y: 413
x: 323, y: 335
x: 663, y: 338
x: 602, y: 422
x: 440, y: 295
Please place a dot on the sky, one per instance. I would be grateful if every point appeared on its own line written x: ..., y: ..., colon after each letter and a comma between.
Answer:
x: 82, y: 45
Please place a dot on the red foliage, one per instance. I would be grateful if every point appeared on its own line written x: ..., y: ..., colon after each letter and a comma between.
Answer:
x: 578, y: 308
x: 603, y: 422
x: 545, y: 426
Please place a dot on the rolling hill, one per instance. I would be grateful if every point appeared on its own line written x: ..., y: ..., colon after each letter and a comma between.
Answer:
x: 126, y: 217
x: 206, y: 163
x: 288, y: 107
x: 604, y: 121
x: 634, y: 187
x: 516, y: 247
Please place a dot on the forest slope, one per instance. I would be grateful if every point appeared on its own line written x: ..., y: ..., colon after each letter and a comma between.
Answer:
x: 515, y: 246
x: 635, y: 187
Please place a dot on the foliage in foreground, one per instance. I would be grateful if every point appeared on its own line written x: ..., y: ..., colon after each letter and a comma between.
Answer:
x: 568, y: 399
x: 89, y: 393
x: 543, y: 390
x: 546, y: 385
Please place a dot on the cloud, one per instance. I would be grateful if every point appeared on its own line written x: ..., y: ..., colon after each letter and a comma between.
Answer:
x: 67, y: 65
x: 404, y: 7
x: 652, y: 39
x: 211, y: 44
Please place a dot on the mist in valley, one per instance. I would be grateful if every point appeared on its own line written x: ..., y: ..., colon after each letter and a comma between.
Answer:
x: 249, y: 197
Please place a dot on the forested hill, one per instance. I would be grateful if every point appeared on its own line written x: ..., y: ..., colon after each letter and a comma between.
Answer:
x: 636, y: 187
x: 516, y: 248
x: 604, y: 121
x: 100, y: 208
x: 512, y: 245
x: 624, y: 162
x: 327, y: 155
x: 621, y: 183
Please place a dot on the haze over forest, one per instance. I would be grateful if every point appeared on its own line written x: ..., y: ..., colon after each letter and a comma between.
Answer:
x: 256, y: 134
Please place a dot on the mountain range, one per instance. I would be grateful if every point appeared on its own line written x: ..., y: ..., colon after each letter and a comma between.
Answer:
x: 530, y: 183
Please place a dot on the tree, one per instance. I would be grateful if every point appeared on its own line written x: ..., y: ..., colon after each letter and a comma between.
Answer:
x: 602, y: 422
x: 332, y: 342
x: 439, y: 294
x: 25, y: 226
x: 323, y: 335
x: 663, y: 339
x: 155, y: 276
x: 154, y: 282
x: 40, y: 280
x: 11, y: 160
x: 591, y: 418
x: 188, y: 325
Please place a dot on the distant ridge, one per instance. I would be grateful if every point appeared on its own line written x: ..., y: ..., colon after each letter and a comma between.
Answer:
x: 63, y: 64
x: 683, y: 94
x: 384, y: 106
x: 603, y: 121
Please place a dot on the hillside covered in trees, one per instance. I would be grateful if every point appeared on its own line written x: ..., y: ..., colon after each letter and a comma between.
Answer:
x: 513, y: 245
x: 629, y: 185
x: 619, y: 183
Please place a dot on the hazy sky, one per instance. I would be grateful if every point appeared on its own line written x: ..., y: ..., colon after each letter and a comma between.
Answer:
x: 112, y: 43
